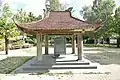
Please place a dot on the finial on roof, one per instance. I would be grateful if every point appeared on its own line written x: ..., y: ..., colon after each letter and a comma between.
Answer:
x: 47, y: 5
x: 47, y: 9
x: 69, y: 9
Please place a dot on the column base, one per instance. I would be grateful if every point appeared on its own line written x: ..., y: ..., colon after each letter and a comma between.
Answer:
x: 73, y: 53
x: 39, y: 59
x: 46, y: 54
x: 56, y: 55
x: 79, y: 60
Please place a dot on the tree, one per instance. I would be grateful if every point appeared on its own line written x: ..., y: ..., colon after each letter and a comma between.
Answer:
x: 54, y: 5
x: 100, y: 11
x: 21, y: 16
x: 7, y: 27
x: 64, y: 6
x: 31, y: 17
x: 116, y: 25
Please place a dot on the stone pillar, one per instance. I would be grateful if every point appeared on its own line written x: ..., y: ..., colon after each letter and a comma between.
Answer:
x: 73, y: 44
x: 46, y: 44
x: 80, y: 45
x: 39, y: 47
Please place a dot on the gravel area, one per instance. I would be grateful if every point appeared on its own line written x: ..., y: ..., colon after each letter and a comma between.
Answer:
x: 60, y: 77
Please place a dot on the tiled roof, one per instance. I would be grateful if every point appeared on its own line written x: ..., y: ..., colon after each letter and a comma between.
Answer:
x: 59, y: 20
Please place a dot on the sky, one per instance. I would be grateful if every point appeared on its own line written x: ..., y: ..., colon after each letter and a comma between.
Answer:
x: 37, y: 6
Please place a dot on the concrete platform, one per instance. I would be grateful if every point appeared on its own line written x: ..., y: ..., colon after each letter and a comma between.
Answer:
x: 63, y: 64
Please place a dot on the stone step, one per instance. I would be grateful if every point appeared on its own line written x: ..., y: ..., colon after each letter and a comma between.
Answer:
x: 32, y: 71
x: 67, y: 60
x: 82, y: 67
x: 60, y: 63
x: 60, y: 67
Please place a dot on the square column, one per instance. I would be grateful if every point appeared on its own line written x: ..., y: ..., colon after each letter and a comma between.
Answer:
x: 39, y: 47
x: 73, y: 44
x: 80, y: 45
x: 46, y: 44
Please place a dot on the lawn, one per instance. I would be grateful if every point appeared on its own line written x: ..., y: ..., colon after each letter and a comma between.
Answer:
x: 11, y: 63
x: 105, y: 56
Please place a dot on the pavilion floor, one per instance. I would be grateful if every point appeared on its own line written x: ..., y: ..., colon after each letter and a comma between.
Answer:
x: 63, y: 64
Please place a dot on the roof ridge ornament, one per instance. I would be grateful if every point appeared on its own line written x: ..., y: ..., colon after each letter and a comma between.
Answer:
x: 47, y: 9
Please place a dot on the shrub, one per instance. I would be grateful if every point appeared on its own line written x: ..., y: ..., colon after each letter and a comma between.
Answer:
x: 19, y: 44
x: 1, y: 47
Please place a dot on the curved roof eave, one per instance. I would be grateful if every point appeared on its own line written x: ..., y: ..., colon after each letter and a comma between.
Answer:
x: 53, y: 22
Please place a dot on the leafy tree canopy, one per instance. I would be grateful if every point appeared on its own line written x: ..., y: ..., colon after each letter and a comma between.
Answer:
x: 7, y: 27
x: 100, y: 11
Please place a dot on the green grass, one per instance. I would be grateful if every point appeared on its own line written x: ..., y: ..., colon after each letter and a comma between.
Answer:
x: 105, y: 57
x: 11, y: 63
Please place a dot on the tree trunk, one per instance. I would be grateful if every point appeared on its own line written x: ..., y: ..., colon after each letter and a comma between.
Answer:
x: 98, y: 41
x: 95, y: 41
x: 6, y: 45
x: 108, y: 40
x: 118, y: 42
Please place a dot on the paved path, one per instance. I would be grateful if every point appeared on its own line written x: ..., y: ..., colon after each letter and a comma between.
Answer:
x: 32, y: 52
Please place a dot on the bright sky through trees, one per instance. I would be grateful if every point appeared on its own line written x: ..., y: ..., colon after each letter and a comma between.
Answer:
x: 37, y: 6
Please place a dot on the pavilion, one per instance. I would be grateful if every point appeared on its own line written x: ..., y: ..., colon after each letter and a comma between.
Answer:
x: 59, y: 23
